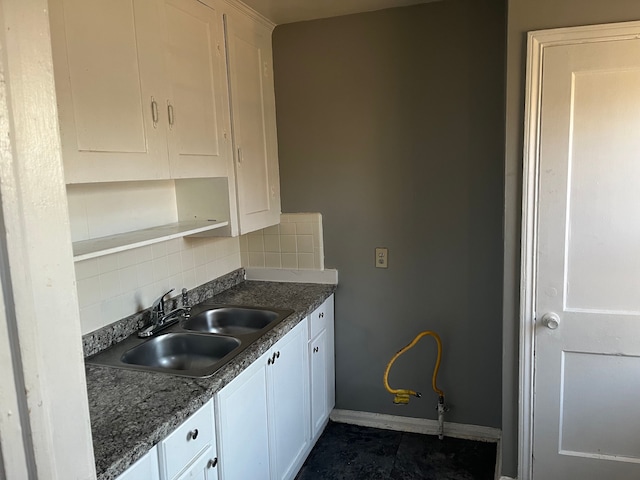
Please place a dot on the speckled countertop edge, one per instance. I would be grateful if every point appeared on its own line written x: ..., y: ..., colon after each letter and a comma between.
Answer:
x: 131, y: 411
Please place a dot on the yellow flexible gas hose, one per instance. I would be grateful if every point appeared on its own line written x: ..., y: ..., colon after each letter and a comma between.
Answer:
x: 402, y: 395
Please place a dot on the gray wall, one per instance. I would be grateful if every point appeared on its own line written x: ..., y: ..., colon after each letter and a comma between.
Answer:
x: 391, y: 124
x: 526, y: 15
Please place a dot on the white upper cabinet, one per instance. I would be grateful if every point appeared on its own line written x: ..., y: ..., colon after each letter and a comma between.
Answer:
x: 197, y: 108
x: 254, y: 121
x: 142, y: 91
x: 109, y: 73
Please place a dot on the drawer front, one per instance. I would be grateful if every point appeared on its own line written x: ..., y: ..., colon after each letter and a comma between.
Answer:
x: 187, y: 441
x: 318, y: 320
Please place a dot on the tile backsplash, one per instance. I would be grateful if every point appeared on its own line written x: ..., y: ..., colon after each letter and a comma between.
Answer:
x: 115, y: 286
x: 296, y: 243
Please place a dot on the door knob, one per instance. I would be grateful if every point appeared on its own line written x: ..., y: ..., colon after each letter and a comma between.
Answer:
x: 551, y: 320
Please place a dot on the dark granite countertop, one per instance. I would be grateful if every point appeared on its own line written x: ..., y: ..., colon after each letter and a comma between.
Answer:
x: 131, y: 411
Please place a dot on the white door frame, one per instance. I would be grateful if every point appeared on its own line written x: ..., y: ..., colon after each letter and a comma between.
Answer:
x: 536, y: 44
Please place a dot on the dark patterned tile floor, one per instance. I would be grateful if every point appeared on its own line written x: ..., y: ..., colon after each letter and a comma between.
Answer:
x: 350, y: 452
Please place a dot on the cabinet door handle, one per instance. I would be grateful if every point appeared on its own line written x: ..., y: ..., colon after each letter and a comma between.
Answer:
x: 154, y: 111
x: 315, y: 349
x: 170, y: 113
x: 273, y: 358
x: 239, y: 154
x: 269, y: 362
x: 212, y: 462
x: 193, y: 434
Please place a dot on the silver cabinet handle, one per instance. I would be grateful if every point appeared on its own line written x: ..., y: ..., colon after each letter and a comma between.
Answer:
x: 193, y: 434
x: 154, y: 111
x: 170, y: 113
x: 212, y: 462
x: 239, y: 155
x: 551, y: 320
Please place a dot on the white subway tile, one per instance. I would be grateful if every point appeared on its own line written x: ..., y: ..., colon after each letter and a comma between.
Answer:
x: 272, y: 230
x: 287, y: 229
x: 86, y: 268
x: 288, y: 244
x: 128, y: 278
x: 244, y: 243
x: 256, y: 242
x: 305, y: 261
x: 244, y: 259
x: 272, y: 243
x: 108, y: 263
x: 88, y: 291
x: 188, y: 262
x: 159, y: 249
x: 201, y: 274
x: 289, y: 260
x: 189, y: 278
x: 272, y: 260
x: 174, y: 263
x: 305, y: 243
x: 111, y: 310
x: 160, y: 269
x: 305, y: 228
x: 174, y: 245
x: 256, y: 259
x: 109, y: 285
x: 90, y: 318
x: 145, y: 273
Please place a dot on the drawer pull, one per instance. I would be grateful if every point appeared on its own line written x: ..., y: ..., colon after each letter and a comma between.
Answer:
x: 193, y: 434
x: 315, y: 349
x: 212, y: 463
x: 321, y: 315
x: 278, y: 354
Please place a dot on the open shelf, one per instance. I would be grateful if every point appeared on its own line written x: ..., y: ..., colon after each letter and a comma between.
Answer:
x: 97, y: 247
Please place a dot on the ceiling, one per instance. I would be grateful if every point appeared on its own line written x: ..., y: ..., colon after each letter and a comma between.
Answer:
x: 288, y: 11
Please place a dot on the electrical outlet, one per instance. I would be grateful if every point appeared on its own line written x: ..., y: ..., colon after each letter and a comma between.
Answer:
x: 382, y: 257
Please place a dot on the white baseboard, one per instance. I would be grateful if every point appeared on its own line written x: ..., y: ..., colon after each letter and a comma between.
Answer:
x: 327, y: 276
x: 416, y: 425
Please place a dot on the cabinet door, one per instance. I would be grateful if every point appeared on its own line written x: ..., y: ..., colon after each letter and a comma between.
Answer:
x: 288, y: 402
x: 145, y: 468
x: 241, y: 413
x: 109, y: 74
x: 254, y: 123
x: 198, y: 108
x: 329, y: 316
x: 319, y: 383
x: 203, y: 468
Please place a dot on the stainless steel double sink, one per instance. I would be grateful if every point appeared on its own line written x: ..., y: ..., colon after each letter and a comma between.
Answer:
x: 197, y: 346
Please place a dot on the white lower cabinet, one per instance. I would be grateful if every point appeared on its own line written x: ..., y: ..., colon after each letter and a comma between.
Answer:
x: 145, y: 468
x: 243, y: 430
x: 321, y: 365
x: 263, y: 414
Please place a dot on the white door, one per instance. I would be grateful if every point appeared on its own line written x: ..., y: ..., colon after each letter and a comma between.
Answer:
x: 199, y: 139
x: 288, y: 402
x: 243, y: 435
x: 587, y: 295
x: 318, y: 368
x: 110, y: 87
x: 254, y: 123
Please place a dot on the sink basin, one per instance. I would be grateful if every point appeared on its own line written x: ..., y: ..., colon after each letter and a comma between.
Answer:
x: 181, y: 351
x: 231, y: 320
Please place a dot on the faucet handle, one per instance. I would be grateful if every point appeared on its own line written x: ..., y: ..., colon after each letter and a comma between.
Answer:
x: 158, y: 305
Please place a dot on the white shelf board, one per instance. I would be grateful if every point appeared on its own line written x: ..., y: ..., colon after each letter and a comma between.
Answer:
x: 97, y: 247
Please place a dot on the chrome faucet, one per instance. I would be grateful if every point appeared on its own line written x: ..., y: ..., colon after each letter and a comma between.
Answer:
x: 161, y: 320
